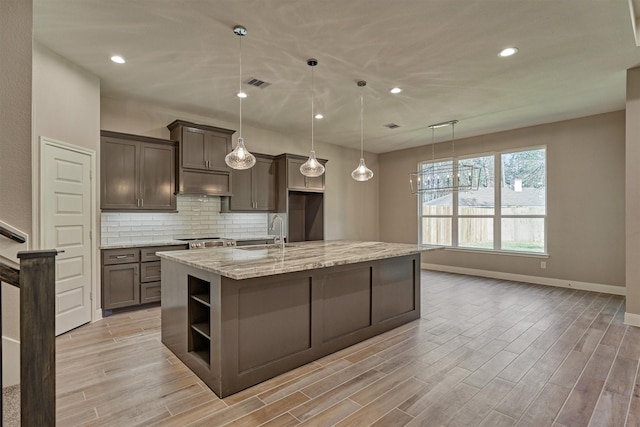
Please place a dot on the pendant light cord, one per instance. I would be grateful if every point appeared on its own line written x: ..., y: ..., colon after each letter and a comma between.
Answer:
x: 240, y: 88
x: 433, y: 145
x: 312, y: 111
x: 361, y: 127
x: 453, y: 144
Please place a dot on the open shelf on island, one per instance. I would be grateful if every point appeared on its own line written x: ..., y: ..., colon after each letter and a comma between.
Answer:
x: 200, y: 319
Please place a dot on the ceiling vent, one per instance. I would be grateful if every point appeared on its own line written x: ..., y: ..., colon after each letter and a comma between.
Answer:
x: 257, y: 83
x: 392, y: 126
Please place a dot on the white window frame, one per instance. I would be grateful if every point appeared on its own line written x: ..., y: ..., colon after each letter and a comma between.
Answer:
x: 497, y: 215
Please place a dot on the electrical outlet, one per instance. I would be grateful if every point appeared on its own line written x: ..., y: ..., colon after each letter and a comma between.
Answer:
x: 543, y: 264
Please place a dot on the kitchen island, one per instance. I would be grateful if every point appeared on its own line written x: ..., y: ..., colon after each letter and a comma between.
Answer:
x: 239, y: 316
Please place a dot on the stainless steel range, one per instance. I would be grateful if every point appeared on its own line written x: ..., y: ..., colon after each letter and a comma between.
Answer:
x: 208, y: 242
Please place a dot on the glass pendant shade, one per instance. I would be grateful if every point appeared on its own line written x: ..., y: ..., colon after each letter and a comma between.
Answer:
x: 240, y: 157
x: 362, y: 172
x: 312, y: 167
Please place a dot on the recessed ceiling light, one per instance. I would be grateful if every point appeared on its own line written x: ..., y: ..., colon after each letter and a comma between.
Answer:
x: 395, y: 90
x: 118, y: 59
x: 509, y: 51
x: 319, y: 116
x: 241, y: 95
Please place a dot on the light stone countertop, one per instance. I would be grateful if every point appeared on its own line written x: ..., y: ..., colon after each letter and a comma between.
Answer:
x: 257, y: 261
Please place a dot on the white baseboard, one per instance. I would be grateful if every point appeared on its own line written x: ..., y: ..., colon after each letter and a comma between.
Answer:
x: 10, y: 362
x: 548, y: 281
x: 632, y: 319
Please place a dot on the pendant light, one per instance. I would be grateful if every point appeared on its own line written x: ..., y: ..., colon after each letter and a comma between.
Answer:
x: 362, y: 172
x: 240, y: 157
x: 312, y: 167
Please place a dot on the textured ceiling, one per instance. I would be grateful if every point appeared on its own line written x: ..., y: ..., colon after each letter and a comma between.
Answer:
x: 443, y: 53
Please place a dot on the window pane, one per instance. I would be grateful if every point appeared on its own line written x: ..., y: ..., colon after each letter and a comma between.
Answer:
x: 524, y: 183
x: 436, y: 202
x: 475, y: 233
x: 523, y: 234
x: 482, y: 200
x: 436, y: 231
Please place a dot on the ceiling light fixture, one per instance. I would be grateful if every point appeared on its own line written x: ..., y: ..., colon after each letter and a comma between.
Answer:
x: 319, y: 116
x: 362, y: 172
x: 445, y: 175
x: 395, y: 90
x: 118, y: 59
x: 312, y: 167
x: 240, y: 157
x: 509, y: 51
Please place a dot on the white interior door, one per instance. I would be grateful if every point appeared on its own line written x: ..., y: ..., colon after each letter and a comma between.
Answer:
x: 66, y: 199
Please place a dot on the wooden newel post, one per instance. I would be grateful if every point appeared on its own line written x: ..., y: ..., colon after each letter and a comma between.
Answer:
x: 37, y: 338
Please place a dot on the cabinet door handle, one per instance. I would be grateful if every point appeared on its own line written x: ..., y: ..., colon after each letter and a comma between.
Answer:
x: 121, y: 256
x: 141, y: 203
x: 138, y: 202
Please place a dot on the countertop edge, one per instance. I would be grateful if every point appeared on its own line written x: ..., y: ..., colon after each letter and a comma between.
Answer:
x: 310, y: 262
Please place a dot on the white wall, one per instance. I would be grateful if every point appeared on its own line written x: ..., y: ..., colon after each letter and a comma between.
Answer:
x: 15, y: 157
x: 351, y: 208
x: 585, y: 200
x: 632, y: 315
x: 66, y: 108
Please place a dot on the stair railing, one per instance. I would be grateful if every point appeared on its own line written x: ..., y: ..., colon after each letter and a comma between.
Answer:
x: 36, y: 281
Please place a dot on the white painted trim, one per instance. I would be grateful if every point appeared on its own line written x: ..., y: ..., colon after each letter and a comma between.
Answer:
x: 10, y: 361
x: 632, y: 319
x: 547, y: 281
x: 95, y: 242
x: 97, y: 315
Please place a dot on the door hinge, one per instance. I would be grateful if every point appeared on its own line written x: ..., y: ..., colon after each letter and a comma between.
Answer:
x: 90, y: 235
x: 90, y: 174
x: 90, y: 295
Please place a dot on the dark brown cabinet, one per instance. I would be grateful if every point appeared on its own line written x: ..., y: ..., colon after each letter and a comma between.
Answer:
x: 120, y: 278
x: 201, y: 152
x: 301, y: 198
x: 137, y: 173
x: 254, y: 189
x: 131, y: 276
x: 297, y: 181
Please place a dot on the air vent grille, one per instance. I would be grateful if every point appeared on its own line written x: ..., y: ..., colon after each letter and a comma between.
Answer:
x: 257, y: 83
x: 392, y: 126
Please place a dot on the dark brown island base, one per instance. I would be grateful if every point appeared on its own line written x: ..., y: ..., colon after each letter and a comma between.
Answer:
x: 239, y: 316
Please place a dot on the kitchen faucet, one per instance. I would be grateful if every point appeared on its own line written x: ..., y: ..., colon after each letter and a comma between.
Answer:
x: 273, y: 227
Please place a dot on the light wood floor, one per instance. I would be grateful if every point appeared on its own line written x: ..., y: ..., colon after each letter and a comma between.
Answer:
x: 485, y: 353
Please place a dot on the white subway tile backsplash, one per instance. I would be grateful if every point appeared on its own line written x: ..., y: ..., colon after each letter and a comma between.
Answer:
x: 197, y: 215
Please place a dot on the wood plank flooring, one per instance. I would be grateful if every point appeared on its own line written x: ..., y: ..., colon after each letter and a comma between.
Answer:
x: 485, y: 353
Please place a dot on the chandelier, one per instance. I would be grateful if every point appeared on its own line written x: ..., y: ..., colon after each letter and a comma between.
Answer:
x: 444, y: 175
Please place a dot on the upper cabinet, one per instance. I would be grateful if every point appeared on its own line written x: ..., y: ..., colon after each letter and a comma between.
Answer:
x: 137, y: 173
x: 294, y: 178
x: 201, y: 152
x: 254, y: 189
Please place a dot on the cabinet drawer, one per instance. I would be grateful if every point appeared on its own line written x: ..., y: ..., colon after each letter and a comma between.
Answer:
x: 149, y: 254
x: 149, y: 292
x: 120, y: 256
x: 150, y: 271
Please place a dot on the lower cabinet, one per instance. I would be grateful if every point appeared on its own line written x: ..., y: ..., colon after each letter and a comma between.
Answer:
x: 131, y: 276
